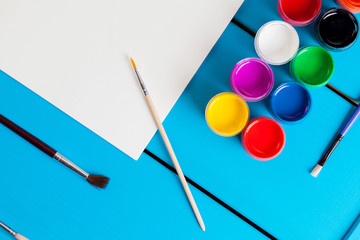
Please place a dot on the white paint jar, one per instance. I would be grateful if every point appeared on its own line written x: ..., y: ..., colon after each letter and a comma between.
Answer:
x: 277, y: 42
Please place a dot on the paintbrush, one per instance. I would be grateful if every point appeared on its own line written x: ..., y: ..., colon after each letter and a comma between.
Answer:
x: 315, y: 172
x: 343, y: 95
x: 95, y: 180
x: 12, y: 232
x: 168, y: 146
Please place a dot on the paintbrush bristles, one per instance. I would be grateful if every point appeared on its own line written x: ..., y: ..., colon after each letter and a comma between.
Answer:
x: 315, y: 172
x: 133, y: 63
x: 98, y: 180
x: 20, y: 237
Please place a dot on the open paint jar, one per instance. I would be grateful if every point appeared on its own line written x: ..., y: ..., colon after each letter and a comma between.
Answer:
x: 351, y: 5
x: 290, y: 102
x: 252, y: 79
x: 227, y: 114
x: 337, y: 29
x: 263, y: 138
x: 312, y: 66
x: 299, y: 12
x: 276, y: 42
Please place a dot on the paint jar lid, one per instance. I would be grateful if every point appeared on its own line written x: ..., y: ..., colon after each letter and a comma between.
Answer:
x: 263, y: 138
x: 227, y: 114
x: 276, y: 42
x: 290, y: 102
x: 299, y: 12
x: 337, y: 29
x: 312, y: 66
x: 252, y: 79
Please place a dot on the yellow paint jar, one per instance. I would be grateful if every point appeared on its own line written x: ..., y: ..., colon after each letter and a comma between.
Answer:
x: 227, y: 114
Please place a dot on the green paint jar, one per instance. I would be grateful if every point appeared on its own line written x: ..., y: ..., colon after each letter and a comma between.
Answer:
x: 312, y: 66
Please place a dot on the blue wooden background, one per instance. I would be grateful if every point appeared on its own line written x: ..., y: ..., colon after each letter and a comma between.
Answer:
x: 43, y: 200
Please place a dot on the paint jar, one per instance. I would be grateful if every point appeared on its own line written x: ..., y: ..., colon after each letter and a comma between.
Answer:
x: 263, y: 138
x: 290, y: 102
x: 312, y: 66
x: 227, y: 114
x: 336, y: 29
x: 299, y: 12
x: 252, y: 79
x: 351, y: 5
x: 276, y: 42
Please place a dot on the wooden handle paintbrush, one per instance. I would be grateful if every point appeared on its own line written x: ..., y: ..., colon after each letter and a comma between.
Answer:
x: 12, y: 232
x: 95, y: 180
x: 168, y: 146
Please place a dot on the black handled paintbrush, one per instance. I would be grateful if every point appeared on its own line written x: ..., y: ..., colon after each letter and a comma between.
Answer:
x: 95, y: 180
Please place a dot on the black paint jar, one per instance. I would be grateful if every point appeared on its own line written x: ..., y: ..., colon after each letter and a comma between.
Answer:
x: 336, y: 29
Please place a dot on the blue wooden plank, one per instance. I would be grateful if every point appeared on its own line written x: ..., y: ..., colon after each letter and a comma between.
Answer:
x: 279, y: 195
x: 354, y: 231
x: 44, y: 200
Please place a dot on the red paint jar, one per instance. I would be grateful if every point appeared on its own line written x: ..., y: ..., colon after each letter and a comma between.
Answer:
x: 263, y: 138
x: 299, y: 12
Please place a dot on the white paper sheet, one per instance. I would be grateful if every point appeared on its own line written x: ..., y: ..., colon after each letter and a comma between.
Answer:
x: 74, y: 53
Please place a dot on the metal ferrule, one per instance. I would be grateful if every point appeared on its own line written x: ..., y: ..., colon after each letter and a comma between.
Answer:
x: 141, y: 82
x: 12, y: 232
x: 70, y: 165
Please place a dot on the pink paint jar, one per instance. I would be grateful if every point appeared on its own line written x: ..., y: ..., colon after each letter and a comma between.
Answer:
x: 252, y: 79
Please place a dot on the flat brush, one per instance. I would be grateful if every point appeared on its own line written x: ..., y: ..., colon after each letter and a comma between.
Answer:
x: 95, y: 180
x: 12, y: 232
x: 315, y: 172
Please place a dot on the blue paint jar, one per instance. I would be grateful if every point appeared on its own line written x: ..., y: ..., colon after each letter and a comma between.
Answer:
x: 290, y: 102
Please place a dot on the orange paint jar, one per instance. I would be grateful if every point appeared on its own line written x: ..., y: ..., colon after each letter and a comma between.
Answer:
x: 351, y: 5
